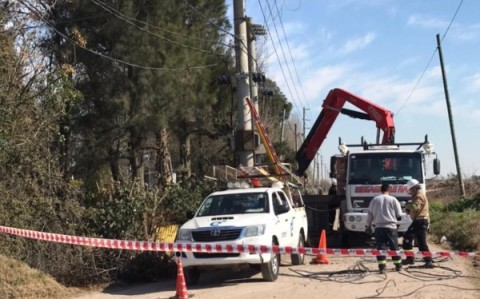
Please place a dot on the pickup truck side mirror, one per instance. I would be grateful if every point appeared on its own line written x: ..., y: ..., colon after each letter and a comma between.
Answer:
x: 281, y: 209
x: 190, y: 215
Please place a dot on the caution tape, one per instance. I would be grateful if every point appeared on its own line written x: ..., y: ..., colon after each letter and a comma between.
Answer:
x: 216, y: 248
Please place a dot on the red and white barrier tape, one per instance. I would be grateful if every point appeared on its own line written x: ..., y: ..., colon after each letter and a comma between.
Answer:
x: 214, y: 248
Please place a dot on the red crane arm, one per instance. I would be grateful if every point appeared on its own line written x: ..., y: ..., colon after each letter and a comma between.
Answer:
x: 332, y: 106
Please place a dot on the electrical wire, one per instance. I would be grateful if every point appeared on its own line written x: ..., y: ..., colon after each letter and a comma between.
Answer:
x: 318, y: 210
x: 122, y: 17
x: 305, y: 104
x: 353, y: 274
x: 278, y: 58
x: 359, y: 272
x: 73, y: 42
x: 430, y: 60
x: 236, y: 38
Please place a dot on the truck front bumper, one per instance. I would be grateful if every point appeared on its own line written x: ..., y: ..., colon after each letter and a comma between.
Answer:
x: 356, y: 222
x: 216, y: 258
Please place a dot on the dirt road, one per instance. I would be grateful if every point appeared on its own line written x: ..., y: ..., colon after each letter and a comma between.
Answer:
x: 343, y: 277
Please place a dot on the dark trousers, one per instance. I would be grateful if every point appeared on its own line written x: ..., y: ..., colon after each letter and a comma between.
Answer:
x: 417, y: 231
x: 386, y: 238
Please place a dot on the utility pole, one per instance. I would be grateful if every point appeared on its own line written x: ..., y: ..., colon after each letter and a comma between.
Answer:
x: 253, y: 30
x: 304, y: 120
x: 295, y: 133
x: 450, y: 117
x: 283, y: 126
x: 252, y: 62
x: 321, y: 169
x: 244, y: 142
x: 326, y: 176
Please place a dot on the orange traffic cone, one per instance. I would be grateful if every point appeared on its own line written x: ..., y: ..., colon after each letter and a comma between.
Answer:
x: 181, y: 292
x: 321, y: 258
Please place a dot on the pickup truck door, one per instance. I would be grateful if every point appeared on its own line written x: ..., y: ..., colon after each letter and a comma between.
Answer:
x: 284, y: 225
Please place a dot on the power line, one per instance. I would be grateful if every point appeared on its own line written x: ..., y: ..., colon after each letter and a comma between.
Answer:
x: 453, y: 18
x: 430, y: 60
x: 122, y: 17
x: 221, y: 29
x: 68, y: 39
x: 291, y: 56
x: 278, y: 58
x: 118, y: 14
x: 283, y: 53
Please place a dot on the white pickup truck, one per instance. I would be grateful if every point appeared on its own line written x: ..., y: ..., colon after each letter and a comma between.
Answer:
x: 252, y: 216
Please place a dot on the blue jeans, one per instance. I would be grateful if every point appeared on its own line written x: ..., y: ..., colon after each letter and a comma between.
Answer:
x: 386, y: 238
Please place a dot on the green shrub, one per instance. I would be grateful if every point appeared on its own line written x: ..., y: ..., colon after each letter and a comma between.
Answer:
x: 464, y: 204
x: 460, y: 228
x: 458, y: 221
x: 121, y: 211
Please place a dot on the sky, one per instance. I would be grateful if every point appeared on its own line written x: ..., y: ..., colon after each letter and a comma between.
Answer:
x: 384, y: 51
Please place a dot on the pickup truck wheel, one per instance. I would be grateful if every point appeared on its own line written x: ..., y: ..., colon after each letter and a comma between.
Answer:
x: 192, y: 275
x: 298, y: 259
x: 271, y: 269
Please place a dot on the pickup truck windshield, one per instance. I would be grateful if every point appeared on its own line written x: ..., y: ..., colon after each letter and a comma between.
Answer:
x: 376, y: 168
x: 228, y: 204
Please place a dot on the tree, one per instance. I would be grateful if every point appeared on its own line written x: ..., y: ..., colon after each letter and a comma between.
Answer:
x: 137, y: 66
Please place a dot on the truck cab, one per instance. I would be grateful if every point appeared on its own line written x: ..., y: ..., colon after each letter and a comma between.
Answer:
x: 247, y: 216
x: 360, y: 174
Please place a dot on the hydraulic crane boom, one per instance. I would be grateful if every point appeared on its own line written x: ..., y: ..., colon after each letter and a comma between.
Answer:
x: 332, y: 106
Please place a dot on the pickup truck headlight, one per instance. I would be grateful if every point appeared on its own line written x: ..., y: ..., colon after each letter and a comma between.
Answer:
x: 184, y: 235
x: 255, y: 230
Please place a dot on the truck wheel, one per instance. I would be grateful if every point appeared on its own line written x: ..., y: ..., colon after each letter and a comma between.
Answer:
x: 271, y: 269
x: 192, y: 275
x: 346, y: 238
x: 298, y: 259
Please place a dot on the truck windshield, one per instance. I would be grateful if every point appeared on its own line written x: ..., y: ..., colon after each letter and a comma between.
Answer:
x: 375, y: 168
x: 228, y: 204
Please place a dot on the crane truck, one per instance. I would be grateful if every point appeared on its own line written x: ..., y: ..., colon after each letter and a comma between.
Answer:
x: 360, y: 169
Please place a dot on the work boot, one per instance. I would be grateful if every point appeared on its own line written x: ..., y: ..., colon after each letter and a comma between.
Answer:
x: 408, y: 261
x: 398, y: 267
x: 428, y: 265
x: 382, y: 268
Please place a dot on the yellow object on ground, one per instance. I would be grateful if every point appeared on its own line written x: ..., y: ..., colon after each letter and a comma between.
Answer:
x: 167, y: 233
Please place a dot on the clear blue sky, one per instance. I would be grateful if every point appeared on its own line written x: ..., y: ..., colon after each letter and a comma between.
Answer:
x: 379, y: 49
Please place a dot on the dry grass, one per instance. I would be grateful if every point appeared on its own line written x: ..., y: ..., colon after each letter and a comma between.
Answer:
x: 447, y: 191
x: 17, y: 280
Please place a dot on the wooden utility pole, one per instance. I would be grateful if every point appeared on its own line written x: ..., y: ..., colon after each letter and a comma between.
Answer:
x: 450, y: 117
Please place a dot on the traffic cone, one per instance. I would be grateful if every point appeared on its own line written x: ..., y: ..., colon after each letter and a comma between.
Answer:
x: 181, y: 292
x: 321, y: 258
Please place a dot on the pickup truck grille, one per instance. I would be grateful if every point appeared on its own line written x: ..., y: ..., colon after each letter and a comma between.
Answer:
x: 215, y: 235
